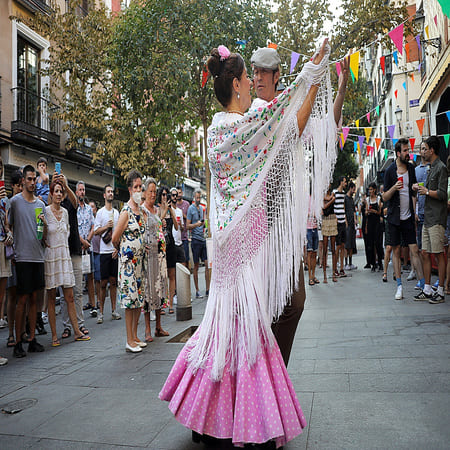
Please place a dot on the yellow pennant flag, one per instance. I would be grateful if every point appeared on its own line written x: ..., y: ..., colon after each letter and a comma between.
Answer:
x: 357, y: 123
x: 354, y: 64
x: 367, y: 131
x: 359, y: 149
x: 426, y: 32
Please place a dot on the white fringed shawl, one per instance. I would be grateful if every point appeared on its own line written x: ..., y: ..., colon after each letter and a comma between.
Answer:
x: 261, y: 178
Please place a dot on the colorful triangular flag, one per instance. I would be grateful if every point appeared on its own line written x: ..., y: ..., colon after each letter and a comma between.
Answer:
x: 382, y: 63
x: 427, y: 31
x: 338, y: 68
x: 391, y: 129
x: 395, y: 55
x: 355, y: 146
x: 354, y: 64
x: 445, y: 5
x: 435, y: 20
x: 386, y: 153
x: 412, y: 141
x: 396, y: 93
x: 357, y: 123
x: 204, y: 77
x: 446, y: 138
x: 294, y: 60
x: 377, y: 109
x: 394, y: 141
x: 361, y: 141
x: 412, y: 76
x: 272, y: 45
x: 420, y: 123
x: 404, y: 85
x: 368, y: 117
x: 448, y: 115
x: 407, y: 51
x: 368, y: 150
x: 418, y: 41
x: 378, y: 142
x: 367, y: 131
x: 397, y: 37
x: 345, y: 131
x: 341, y: 137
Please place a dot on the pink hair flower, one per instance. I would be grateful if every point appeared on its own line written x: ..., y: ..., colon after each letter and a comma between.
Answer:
x: 223, y: 52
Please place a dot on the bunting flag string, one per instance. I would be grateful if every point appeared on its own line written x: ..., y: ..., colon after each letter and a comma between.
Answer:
x: 420, y: 123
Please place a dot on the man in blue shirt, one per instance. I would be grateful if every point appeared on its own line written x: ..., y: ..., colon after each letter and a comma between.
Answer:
x: 196, y: 223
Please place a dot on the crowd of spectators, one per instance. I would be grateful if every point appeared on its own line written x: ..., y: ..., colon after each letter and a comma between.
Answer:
x: 54, y: 242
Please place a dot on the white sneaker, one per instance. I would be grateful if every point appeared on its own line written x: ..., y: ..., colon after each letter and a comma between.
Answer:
x: 115, y: 315
x: 411, y: 276
x: 100, y: 318
x: 44, y: 317
x: 3, y: 361
x: 152, y: 316
x: 347, y: 267
x: 399, y: 293
x: 3, y: 323
x: 352, y: 267
x: 175, y: 299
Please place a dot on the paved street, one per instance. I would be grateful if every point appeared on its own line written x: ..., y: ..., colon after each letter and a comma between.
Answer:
x: 370, y: 372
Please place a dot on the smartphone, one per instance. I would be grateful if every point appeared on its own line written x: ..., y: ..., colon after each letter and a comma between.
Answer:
x: 58, y: 168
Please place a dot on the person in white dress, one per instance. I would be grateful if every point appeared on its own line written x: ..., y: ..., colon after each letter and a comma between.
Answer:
x: 58, y: 264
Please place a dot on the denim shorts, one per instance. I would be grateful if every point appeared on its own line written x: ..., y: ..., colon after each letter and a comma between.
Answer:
x: 198, y: 250
x: 312, y: 235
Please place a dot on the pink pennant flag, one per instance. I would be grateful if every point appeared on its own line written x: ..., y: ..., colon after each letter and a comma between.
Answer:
x: 372, y: 150
x: 338, y: 68
x: 397, y: 38
x: 294, y: 60
x: 391, y: 129
x: 368, y: 117
x: 345, y: 131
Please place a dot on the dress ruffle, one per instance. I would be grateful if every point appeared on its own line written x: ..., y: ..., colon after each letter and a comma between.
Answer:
x: 254, y: 405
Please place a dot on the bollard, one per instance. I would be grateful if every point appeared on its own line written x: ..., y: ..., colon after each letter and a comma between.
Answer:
x: 184, y: 306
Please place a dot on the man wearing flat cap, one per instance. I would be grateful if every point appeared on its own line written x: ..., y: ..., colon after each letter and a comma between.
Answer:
x: 266, y: 74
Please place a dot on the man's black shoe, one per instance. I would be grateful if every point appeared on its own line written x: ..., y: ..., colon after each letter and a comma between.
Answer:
x: 436, y: 298
x: 35, y: 347
x: 87, y: 306
x: 421, y: 296
x: 19, y: 352
x: 367, y: 266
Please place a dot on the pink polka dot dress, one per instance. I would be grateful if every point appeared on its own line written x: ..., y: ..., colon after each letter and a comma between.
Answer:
x: 253, y: 405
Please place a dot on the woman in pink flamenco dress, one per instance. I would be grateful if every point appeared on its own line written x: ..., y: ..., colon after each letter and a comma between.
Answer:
x: 229, y: 381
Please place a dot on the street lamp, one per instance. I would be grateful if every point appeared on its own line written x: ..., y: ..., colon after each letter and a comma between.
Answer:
x: 398, y: 116
x: 435, y: 42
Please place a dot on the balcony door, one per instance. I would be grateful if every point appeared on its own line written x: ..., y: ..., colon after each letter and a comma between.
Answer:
x: 28, y: 92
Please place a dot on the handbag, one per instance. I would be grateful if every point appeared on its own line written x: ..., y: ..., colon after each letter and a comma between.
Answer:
x: 86, y: 263
x: 107, y: 236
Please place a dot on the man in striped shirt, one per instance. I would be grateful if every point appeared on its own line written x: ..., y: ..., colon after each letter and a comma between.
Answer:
x: 339, y: 210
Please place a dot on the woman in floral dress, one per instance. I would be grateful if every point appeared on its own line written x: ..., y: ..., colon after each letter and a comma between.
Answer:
x: 155, y: 261
x: 128, y: 238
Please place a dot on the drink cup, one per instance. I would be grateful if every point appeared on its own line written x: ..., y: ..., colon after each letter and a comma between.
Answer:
x: 421, y: 183
x: 39, y: 223
x: 400, y: 179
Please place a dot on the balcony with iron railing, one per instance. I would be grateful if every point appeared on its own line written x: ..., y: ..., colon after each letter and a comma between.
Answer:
x: 42, y: 6
x: 34, y: 123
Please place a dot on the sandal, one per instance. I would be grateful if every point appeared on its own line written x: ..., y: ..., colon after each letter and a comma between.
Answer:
x: 83, y: 337
x: 159, y: 332
x: 325, y: 280
x: 311, y: 282
x: 171, y: 310
x: 66, y: 333
x: 334, y: 278
x: 84, y: 330
x: 384, y: 277
x: 56, y: 343
x: 11, y: 341
x: 316, y: 281
x: 24, y: 338
x: 163, y: 313
x: 148, y: 337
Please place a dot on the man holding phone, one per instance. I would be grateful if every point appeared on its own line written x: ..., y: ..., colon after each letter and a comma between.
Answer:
x: 196, y: 223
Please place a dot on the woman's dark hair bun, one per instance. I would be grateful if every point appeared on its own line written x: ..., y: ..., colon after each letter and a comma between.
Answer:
x: 214, y: 63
